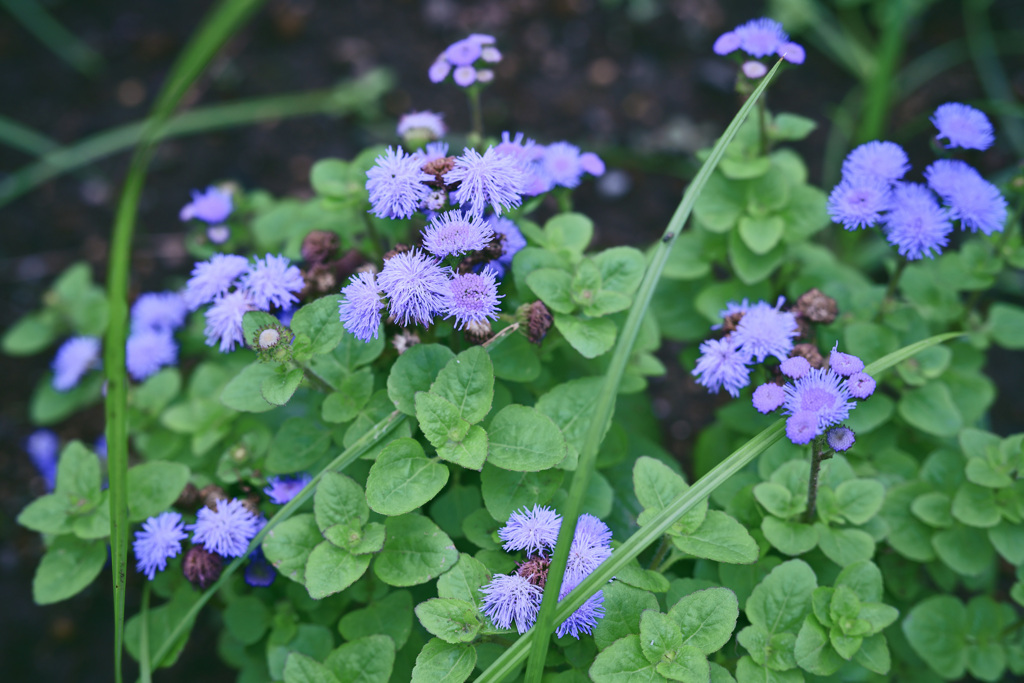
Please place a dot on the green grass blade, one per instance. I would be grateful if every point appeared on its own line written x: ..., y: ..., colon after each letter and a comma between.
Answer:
x: 23, y: 138
x: 347, y: 97
x: 606, y: 401
x: 982, y: 46
x: 145, y: 663
x: 507, y: 663
x: 54, y: 36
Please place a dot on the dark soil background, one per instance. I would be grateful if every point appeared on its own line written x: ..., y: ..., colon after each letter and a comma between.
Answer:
x: 645, y: 92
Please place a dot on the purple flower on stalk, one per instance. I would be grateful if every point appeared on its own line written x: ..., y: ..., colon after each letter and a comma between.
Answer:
x: 452, y: 233
x: 511, y: 598
x: 431, y: 124
x: 917, y: 226
x: 463, y: 52
x: 489, y: 178
x: 760, y: 38
x: 561, y: 163
x: 158, y: 541
x: 975, y: 202
x: 74, y: 358
x: 592, y: 164
x: 472, y: 298
x: 227, y: 530
x: 795, y: 367
x: 281, y: 490
x: 212, y: 278
x: 512, y: 241
x: 764, y: 331
x: 858, y: 201
x: 861, y: 385
x: 159, y: 311
x: 213, y: 206
x: 396, y: 184
x: 722, y: 364
x: 844, y: 364
x: 822, y: 394
x: 272, y: 281
x: 591, y: 545
x: 584, y: 619
x: 768, y: 397
x: 149, y: 350
x: 417, y: 287
x: 879, y: 159
x: 43, y: 448
x: 360, y: 307
x: 963, y: 125
x: 224, y: 320
x: 535, y: 531
x: 840, y: 438
x: 801, y: 428
x: 439, y: 70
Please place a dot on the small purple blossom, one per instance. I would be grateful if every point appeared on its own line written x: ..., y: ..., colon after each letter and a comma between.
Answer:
x: 452, y: 233
x: 227, y: 530
x: 213, y: 278
x: 463, y: 52
x: 768, y: 397
x: 753, y: 69
x: 795, y: 367
x: 396, y: 184
x: 561, y: 163
x: 764, y: 331
x: 822, y: 394
x: 727, y: 43
x: 535, y: 531
x: 213, y: 206
x: 74, y: 358
x: 975, y: 202
x: 858, y: 201
x: 917, y: 226
x: 159, y: 311
x: 840, y: 438
x: 464, y: 76
x: 801, y: 428
x: 158, y: 541
x: 439, y: 70
x: 511, y: 598
x: 416, y: 286
x: 224, y: 320
x: 881, y: 159
x: 761, y: 37
x: 963, y: 125
x: 491, y: 178
x: 591, y: 545
x: 259, y: 573
x: 281, y: 490
x: 512, y: 241
x: 271, y: 282
x: 360, y: 306
x: 423, y: 123
x: 722, y: 364
x: 43, y: 448
x: 861, y: 385
x: 584, y: 619
x: 793, y: 53
x: 472, y: 298
x: 149, y: 350
x: 592, y: 164
x: 844, y: 364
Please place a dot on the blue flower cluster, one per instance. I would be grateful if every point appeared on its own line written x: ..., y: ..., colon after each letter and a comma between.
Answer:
x: 212, y: 207
x: 759, y: 38
x: 872, y: 190
x: 515, y: 598
x: 468, y: 60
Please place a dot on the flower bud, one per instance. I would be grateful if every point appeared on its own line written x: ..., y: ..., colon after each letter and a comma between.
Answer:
x: 201, y: 567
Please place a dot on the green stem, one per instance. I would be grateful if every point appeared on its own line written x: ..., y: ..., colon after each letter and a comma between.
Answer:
x: 879, y: 87
x: 762, y: 124
x: 145, y: 663
x: 476, y: 135
x: 659, y: 554
x: 819, y: 452
x: 23, y: 138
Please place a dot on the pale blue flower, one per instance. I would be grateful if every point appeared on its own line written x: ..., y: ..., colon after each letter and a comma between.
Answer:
x: 722, y: 365
x: 147, y: 351
x: 584, y: 619
x: 861, y: 385
x: 795, y: 367
x: 858, y: 201
x: 213, y: 206
x: 822, y: 394
x: 259, y: 573
x: 282, y: 489
x: 227, y: 530
x: 975, y: 202
x: 431, y: 123
x: 534, y: 531
x: 561, y: 163
x: 360, y: 307
x: 272, y: 281
x: 43, y: 448
x: 844, y: 364
x: 881, y: 159
x: 158, y: 541
x: 455, y: 233
x: 917, y: 226
x: 486, y: 179
x: 74, y: 358
x: 963, y: 126
x: 224, y: 320
x: 764, y: 331
x: 159, y: 311
x: 768, y: 397
x: 416, y: 286
x: 510, y: 598
x: 396, y: 184
x: 472, y: 298
x: 801, y: 428
x: 840, y: 438
x: 512, y: 241
x: 213, y: 278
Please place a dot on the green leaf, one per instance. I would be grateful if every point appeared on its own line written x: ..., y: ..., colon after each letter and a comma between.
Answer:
x: 49, y: 406
x: 68, y: 566
x: 772, y: 651
x: 339, y: 501
x: 782, y: 600
x: 78, y: 478
x: 351, y: 397
x: 366, y: 660
x: 451, y: 620
x: 299, y: 443
x: 31, y: 334
x: 441, y: 662
x: 751, y: 267
x: 467, y: 382
x: 516, y: 360
x: 319, y: 321
x: 964, y: 550
x: 706, y: 618
x: 864, y: 579
x: 279, y: 387
x: 622, y: 661
x: 300, y: 668
x: 1007, y: 538
x: 414, y: 371
x: 1006, y: 325
x: 553, y: 286
x: 976, y: 506
x: 790, y: 127
x: 161, y: 621
x: 244, y: 391
x: 762, y: 233
x: 570, y: 405
x: 505, y: 491
x: 686, y: 261
x: 153, y: 487
x: 524, y: 440
x: 464, y: 580
x: 844, y: 545
x: 777, y: 499
x: 403, y: 478
x: 622, y: 268
x: 153, y: 395
x: 720, y: 204
x: 247, y: 619
x: 658, y: 635
x: 873, y: 655
x: 470, y: 452
x: 789, y: 538
x: 289, y: 544
x: 931, y: 409
x: 591, y: 338
x: 814, y: 652
x: 935, y: 630
x: 907, y: 534
x: 390, y: 616
x: 860, y: 499
x: 331, y: 178
x: 623, y: 607
x: 720, y: 538
x: 656, y: 485
x: 439, y: 419
x: 47, y: 514
x: 686, y: 664
x: 415, y: 551
x: 330, y: 570
x: 933, y: 508
x: 569, y: 233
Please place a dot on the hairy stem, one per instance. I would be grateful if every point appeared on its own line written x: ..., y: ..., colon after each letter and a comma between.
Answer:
x: 820, y: 452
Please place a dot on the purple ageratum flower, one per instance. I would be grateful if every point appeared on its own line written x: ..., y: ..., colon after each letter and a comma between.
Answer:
x: 795, y: 367
x: 584, y: 619
x: 844, y: 364
x: 149, y: 350
x: 227, y: 530
x: 753, y: 69
x: 360, y: 308
x: 428, y: 121
x: 768, y: 397
x: 224, y: 320
x: 858, y: 201
x: 592, y: 164
x: 528, y: 155
x: 158, y: 541
x: 917, y: 226
x: 472, y: 298
x: 727, y: 43
x: 213, y: 206
x: 822, y: 394
x: 761, y: 37
x: 396, y: 184
x: 159, y: 311
x: 535, y: 531
x: 861, y: 385
x: 463, y: 52
x: 439, y: 70
x: 417, y: 287
x: 963, y: 125
x: 561, y: 163
x: 801, y: 428
x: 281, y: 490
x: 591, y: 545
x: 840, y: 438
x: 100, y: 447
x: 975, y: 202
x: 259, y: 573
x: 793, y: 53
x: 512, y: 241
x: 432, y: 152
x: 489, y: 178
x: 879, y: 158
x: 511, y: 598
x: 213, y: 278
x: 766, y: 331
x: 74, y: 358
x: 452, y: 233
x: 465, y: 76
x: 271, y: 281
x: 722, y: 364
x: 43, y: 448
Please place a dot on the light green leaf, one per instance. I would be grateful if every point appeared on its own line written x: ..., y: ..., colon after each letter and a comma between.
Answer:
x: 441, y: 662
x: 935, y: 630
x: 659, y: 635
x: 789, y: 538
x: 844, y: 545
x: 451, y: 620
x: 553, y: 286
x: 706, y: 618
x: 782, y: 600
x: 762, y: 233
x: 330, y: 570
x: 720, y: 538
x: 656, y: 485
x: 415, y: 551
x: 873, y: 655
x: 464, y: 580
x: 467, y: 382
x: 339, y: 500
x: 931, y: 409
x: 860, y: 499
x: 814, y: 652
x: 439, y: 419
x: 153, y: 487
x: 320, y: 322
x: 300, y: 668
x: 289, y: 544
x: 390, y: 616
x: 247, y: 618
x: 414, y: 371
x: 279, y: 387
x: 569, y: 233
x: 524, y: 440
x: 964, y: 550
x: 621, y: 268
x: 299, y: 443
x: 403, y: 478
x: 68, y: 566
x: 976, y: 506
x: 470, y: 452
x: 623, y: 606
x: 367, y: 660
x: 591, y: 338
x: 623, y: 662
x: 933, y: 508
x: 505, y: 491
x: 243, y: 392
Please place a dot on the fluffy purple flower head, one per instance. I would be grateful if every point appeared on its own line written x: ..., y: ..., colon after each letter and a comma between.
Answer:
x: 761, y: 37
x: 74, y: 358
x: 765, y: 331
x: 453, y: 233
x: 432, y: 152
x: 224, y: 320
x: 592, y: 164
x: 840, y: 438
x: 439, y: 70
x: 396, y: 184
x: 159, y: 311
x: 879, y: 158
x: 147, y: 351
x: 793, y: 53
x: 858, y: 201
x: 732, y: 308
x: 416, y: 286
x: 722, y: 364
x: 844, y: 364
x: 975, y: 202
x: 727, y: 43
x: 472, y: 298
x: 281, y: 490
x: 861, y: 385
x: 822, y: 394
x: 917, y: 226
x: 591, y: 545
x: 529, y: 156
x: 795, y: 367
x: 801, y: 428
x: 768, y: 397
x: 511, y: 598
x: 158, y: 541
x: 753, y: 69
x: 584, y: 619
x: 271, y: 282
x: 561, y: 163
x: 430, y: 123
x: 963, y: 125
x: 360, y: 306
x: 534, y: 531
x: 213, y: 206
x: 43, y: 448
x: 512, y: 241
x: 490, y: 178
x: 213, y: 278
x: 218, y: 234
x: 463, y: 52
x: 465, y: 76
x: 227, y: 530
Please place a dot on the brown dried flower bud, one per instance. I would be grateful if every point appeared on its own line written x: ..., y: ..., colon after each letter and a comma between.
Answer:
x: 189, y: 497
x: 479, y: 332
x: 730, y: 322
x: 538, y: 322
x: 534, y: 570
x: 399, y: 249
x: 810, y: 352
x: 320, y: 246
x: 210, y: 494
x: 201, y: 567
x: 816, y: 306
x: 438, y: 167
